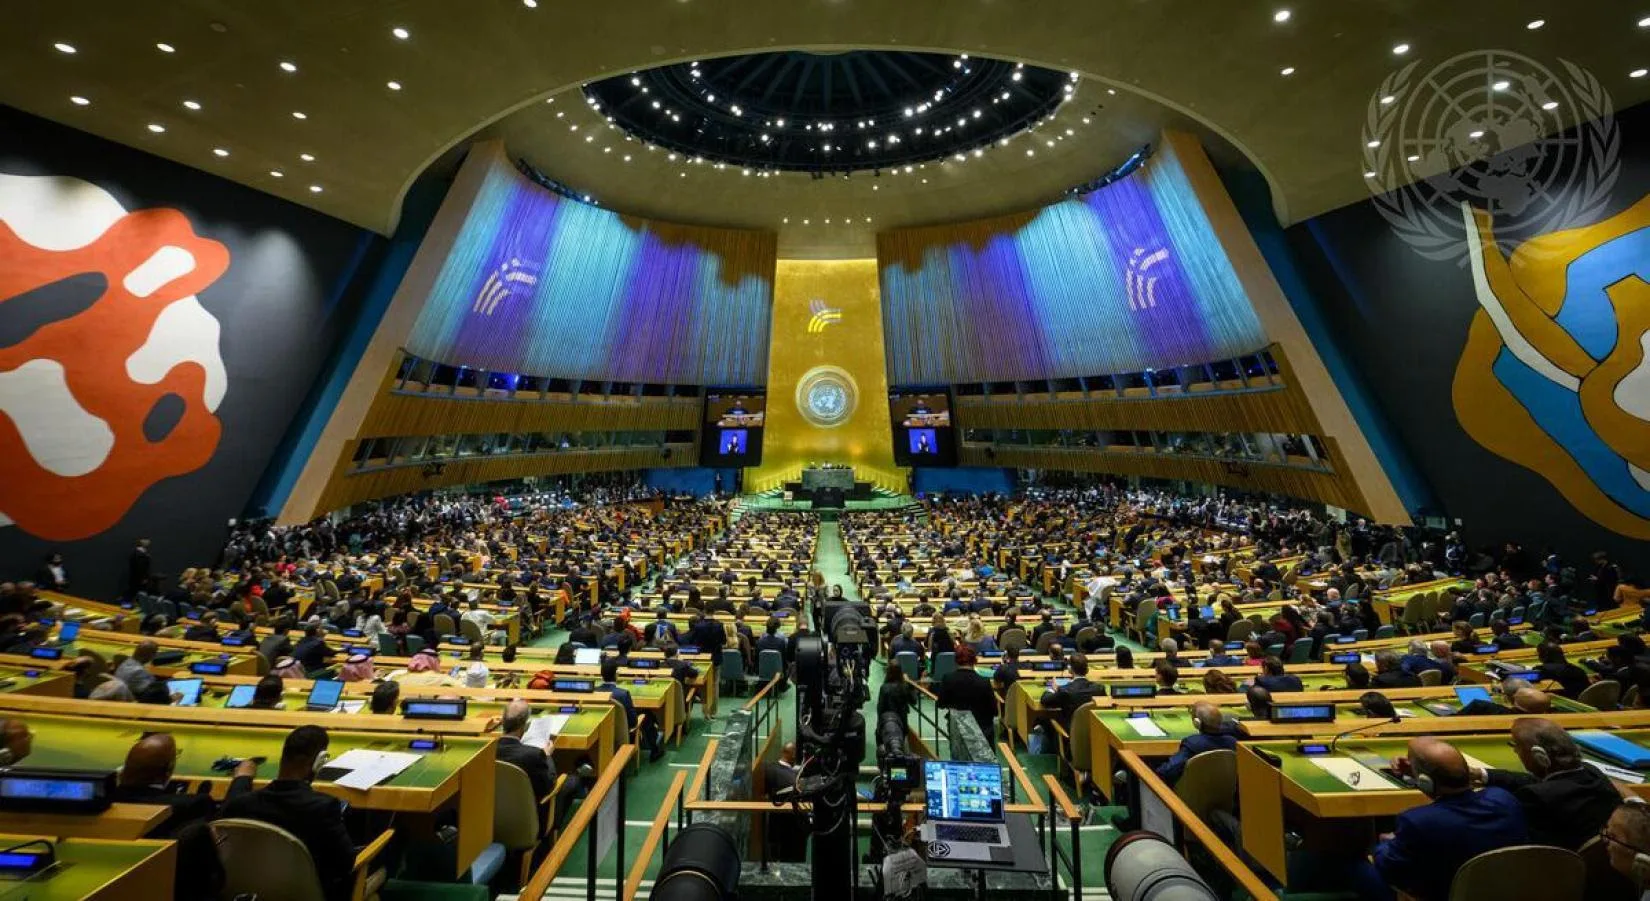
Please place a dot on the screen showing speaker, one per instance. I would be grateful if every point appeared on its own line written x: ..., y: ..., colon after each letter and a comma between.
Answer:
x: 923, y: 431
x: 733, y: 428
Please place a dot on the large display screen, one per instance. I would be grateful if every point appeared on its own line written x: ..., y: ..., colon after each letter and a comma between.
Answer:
x: 733, y: 428
x: 923, y: 432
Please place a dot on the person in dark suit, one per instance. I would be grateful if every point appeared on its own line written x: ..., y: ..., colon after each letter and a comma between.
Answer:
x: 680, y: 670
x: 1431, y: 842
x: 535, y: 762
x: 1572, y: 679
x: 1067, y: 698
x: 1501, y: 636
x: 1213, y: 734
x: 1565, y: 801
x: 1218, y: 656
x: 1389, y: 674
x: 312, y: 651
x: 315, y: 819
x: 139, y: 567
x: 621, y: 696
x: 52, y: 576
x: 1274, y: 678
x: 146, y: 778
x: 907, y: 642
x: 787, y: 833
x: 965, y: 689
x: 708, y: 635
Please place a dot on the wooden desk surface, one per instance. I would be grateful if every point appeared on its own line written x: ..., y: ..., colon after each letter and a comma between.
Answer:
x: 97, y: 870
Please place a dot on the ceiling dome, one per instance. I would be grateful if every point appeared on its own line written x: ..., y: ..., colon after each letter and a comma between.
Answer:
x: 830, y: 112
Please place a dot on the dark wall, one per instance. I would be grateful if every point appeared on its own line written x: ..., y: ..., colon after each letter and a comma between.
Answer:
x: 1505, y: 451
x: 278, y: 280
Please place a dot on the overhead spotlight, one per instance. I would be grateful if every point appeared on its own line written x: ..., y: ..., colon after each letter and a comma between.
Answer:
x: 276, y: 173
x: 298, y: 115
x: 1281, y: 16
x: 1503, y: 85
x: 1535, y: 24
x: 1550, y: 105
x: 165, y: 47
x: 314, y: 189
x: 288, y: 67
x: 400, y: 33
x: 190, y: 104
x: 1030, y: 152
x: 393, y: 85
x: 1015, y: 76
x: 1388, y: 100
x: 1287, y: 71
x: 64, y: 48
x: 1370, y: 174
x: 1373, y: 144
x: 530, y: 4
x: 156, y: 127
x: 219, y: 151
x: 1400, y: 49
x: 307, y: 157
x: 78, y: 100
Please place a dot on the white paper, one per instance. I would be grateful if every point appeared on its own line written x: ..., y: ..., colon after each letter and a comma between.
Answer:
x: 1475, y: 762
x: 903, y: 872
x: 1617, y: 773
x: 365, y: 777
x: 349, y: 706
x: 541, y: 729
x: 1145, y: 728
x: 1354, y: 774
x: 1404, y: 712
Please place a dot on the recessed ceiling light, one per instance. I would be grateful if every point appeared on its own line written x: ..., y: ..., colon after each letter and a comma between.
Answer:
x: 400, y: 32
x: 806, y: 222
x: 786, y: 220
x: 1501, y: 85
x: 219, y: 151
x: 1281, y: 15
x: 1030, y: 152
x: 1644, y: 22
x: 78, y: 100
x: 307, y: 157
x: 314, y: 189
x: 1536, y: 23
x: 1287, y: 71
x: 1373, y: 144
x: 627, y: 157
x: 1400, y: 49
x: 165, y: 47
x: 64, y: 48
x: 1638, y: 73
x: 190, y: 104
x: 288, y: 66
x: 1414, y: 157
x: 1476, y: 134
x: 1550, y: 105
x: 393, y: 85
x: 1370, y: 174
x: 299, y: 115
x: 156, y: 127
x: 277, y: 173
x: 1388, y: 100
x: 530, y: 4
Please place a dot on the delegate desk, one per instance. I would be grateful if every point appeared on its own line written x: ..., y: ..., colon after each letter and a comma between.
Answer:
x: 95, y: 870
x: 1023, y: 702
x: 1119, y: 725
x: 459, y: 773
x: 1389, y: 603
x: 22, y: 680
x: 1333, y: 814
x: 120, y: 617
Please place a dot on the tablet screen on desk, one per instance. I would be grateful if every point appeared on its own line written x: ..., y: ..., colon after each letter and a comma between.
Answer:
x: 189, y: 688
x: 241, y: 696
x: 324, y: 694
x: 1466, y: 694
x: 587, y: 656
x: 68, y: 633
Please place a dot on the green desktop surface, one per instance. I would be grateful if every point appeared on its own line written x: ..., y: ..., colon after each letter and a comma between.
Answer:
x: 83, y: 867
x: 17, y: 678
x: 1493, y: 750
x: 76, y: 743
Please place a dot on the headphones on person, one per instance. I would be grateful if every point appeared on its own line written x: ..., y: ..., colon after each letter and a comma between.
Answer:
x: 1540, y: 757
x: 1429, y: 783
x: 320, y: 761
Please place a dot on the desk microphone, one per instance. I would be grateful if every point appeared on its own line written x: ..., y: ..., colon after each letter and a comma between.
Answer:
x: 1356, y: 729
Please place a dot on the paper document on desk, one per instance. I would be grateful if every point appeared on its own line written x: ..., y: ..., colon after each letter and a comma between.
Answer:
x: 1475, y: 762
x: 1620, y: 774
x: 1354, y: 774
x: 1145, y: 728
x: 349, y: 706
x: 368, y: 768
x: 541, y: 729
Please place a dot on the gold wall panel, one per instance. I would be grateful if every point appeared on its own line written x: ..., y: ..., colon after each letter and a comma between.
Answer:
x: 827, y: 325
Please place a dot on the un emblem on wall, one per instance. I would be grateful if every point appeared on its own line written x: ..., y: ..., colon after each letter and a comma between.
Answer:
x: 826, y: 396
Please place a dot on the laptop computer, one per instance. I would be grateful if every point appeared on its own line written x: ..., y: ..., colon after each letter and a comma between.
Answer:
x: 965, y: 811
x: 324, y: 695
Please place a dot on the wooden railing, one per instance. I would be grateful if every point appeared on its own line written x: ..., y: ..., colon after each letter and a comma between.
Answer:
x: 1197, y: 830
x: 578, y: 827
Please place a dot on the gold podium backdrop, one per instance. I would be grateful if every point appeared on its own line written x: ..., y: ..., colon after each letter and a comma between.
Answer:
x: 827, y: 376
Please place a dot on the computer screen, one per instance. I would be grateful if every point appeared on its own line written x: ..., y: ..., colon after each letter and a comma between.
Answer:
x: 1466, y: 694
x: 189, y: 688
x: 734, y: 421
x: 1303, y: 713
x: 963, y: 791
x: 325, y: 694
x: 42, y: 789
x: 587, y: 656
x: 69, y: 632
x: 241, y: 696
x: 434, y: 709
x: 572, y: 685
x: 1145, y: 690
x: 209, y: 667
